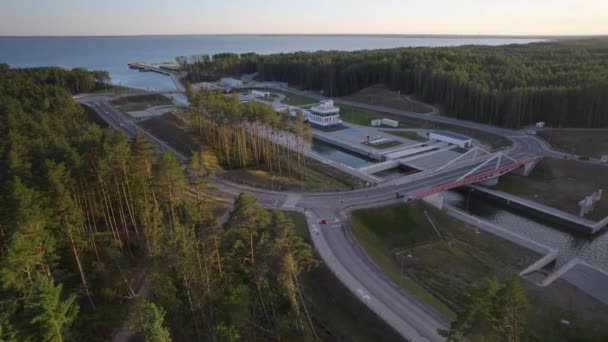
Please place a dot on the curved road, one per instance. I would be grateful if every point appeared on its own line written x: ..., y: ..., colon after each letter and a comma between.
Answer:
x: 413, y: 319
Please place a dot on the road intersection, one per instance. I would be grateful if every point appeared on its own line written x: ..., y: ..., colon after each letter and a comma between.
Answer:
x: 408, y: 315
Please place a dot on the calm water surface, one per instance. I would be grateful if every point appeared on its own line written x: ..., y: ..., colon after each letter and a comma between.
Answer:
x: 113, y: 53
x: 339, y: 155
x: 593, y: 250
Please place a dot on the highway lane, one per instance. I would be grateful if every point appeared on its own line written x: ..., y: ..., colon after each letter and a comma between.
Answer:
x: 408, y: 315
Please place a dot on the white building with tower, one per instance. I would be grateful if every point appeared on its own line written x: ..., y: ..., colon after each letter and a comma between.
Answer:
x: 324, y: 115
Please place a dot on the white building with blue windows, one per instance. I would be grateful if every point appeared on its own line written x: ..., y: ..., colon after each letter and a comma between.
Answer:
x: 325, y: 115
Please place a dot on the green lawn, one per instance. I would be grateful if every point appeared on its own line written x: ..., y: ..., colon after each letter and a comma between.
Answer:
x: 561, y: 184
x: 587, y: 142
x: 380, y: 95
x: 384, y: 232
x: 358, y: 116
x: 437, y: 270
x: 441, y: 270
x: 406, y: 134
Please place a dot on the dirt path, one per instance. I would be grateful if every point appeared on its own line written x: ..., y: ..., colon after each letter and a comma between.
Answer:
x: 140, y: 288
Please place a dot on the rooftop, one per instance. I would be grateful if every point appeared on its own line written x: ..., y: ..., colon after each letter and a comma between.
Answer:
x: 325, y: 107
x: 452, y: 135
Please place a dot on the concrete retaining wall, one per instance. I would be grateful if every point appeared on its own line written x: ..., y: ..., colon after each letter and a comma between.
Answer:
x: 348, y: 146
x: 497, y: 230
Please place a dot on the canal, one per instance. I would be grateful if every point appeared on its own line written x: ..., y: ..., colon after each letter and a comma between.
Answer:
x: 339, y: 155
x: 593, y: 250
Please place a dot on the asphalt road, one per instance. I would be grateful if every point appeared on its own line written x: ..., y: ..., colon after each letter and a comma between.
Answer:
x: 521, y: 140
x: 413, y: 319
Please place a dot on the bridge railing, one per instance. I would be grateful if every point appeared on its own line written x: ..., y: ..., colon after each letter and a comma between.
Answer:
x: 473, y: 178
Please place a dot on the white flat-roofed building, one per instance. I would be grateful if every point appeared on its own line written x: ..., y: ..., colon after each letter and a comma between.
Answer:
x: 325, y: 115
x: 257, y: 93
x: 452, y: 138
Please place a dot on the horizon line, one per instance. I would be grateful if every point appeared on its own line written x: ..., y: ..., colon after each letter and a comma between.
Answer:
x: 410, y: 35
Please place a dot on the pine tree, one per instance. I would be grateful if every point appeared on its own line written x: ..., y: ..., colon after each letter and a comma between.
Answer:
x: 50, y: 316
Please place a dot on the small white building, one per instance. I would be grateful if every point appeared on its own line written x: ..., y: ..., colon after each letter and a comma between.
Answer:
x: 325, y: 115
x: 452, y: 138
x: 257, y: 93
x: 389, y: 122
x: 230, y: 82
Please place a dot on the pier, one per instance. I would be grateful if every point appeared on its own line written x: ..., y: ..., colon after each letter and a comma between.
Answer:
x: 175, y: 75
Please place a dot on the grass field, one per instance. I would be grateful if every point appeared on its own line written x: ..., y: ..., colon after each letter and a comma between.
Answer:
x: 364, y: 118
x: 561, y: 184
x: 438, y: 270
x: 587, y: 142
x: 358, y: 116
x: 382, y: 96
x: 140, y: 102
x: 441, y: 270
x: 406, y: 134
x: 338, y: 315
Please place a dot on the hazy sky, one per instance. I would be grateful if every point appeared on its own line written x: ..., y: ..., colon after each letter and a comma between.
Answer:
x: 124, y: 17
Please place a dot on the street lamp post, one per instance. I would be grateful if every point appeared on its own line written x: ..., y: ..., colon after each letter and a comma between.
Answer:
x: 468, y: 197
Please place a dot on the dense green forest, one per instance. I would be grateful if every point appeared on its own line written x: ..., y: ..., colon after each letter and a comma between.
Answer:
x: 249, y: 134
x: 564, y: 83
x: 86, y: 214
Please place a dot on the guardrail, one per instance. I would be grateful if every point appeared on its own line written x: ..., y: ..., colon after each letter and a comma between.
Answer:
x: 473, y: 178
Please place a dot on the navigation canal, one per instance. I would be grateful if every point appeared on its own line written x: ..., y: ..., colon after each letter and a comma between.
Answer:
x: 339, y: 155
x: 593, y: 250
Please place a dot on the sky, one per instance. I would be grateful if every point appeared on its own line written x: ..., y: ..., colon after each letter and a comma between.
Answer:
x: 139, y: 17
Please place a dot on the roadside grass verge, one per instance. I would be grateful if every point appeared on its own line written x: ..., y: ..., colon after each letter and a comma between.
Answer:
x: 400, y: 237
x: 338, y: 315
x: 561, y: 184
x: 588, y: 142
x: 112, y: 89
x: 140, y: 102
x: 403, y: 243
x: 406, y: 134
